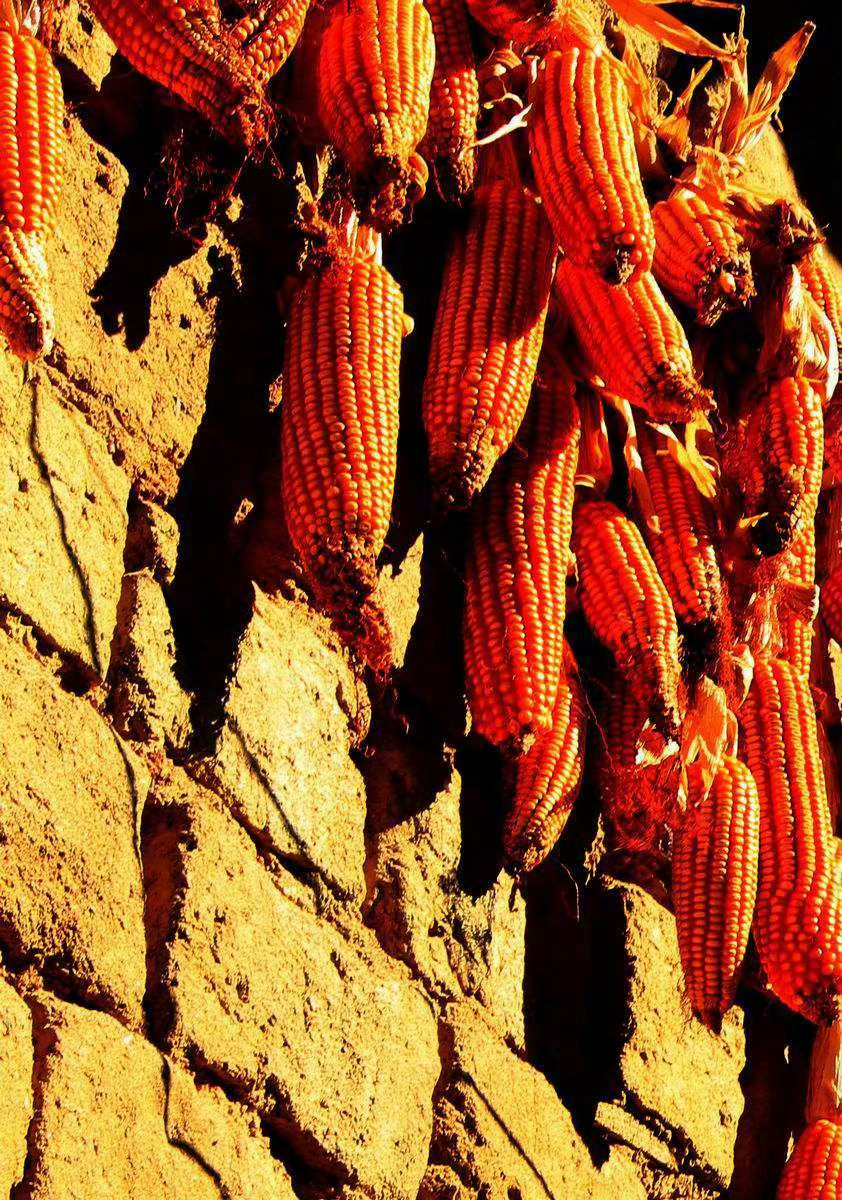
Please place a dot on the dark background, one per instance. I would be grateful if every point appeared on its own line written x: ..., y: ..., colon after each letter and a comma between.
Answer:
x: 811, y: 112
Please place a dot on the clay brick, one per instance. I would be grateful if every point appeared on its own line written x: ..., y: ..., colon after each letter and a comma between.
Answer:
x: 15, y: 1085
x: 146, y: 701
x: 114, y: 1119
x: 501, y: 1129
x: 281, y: 761
x: 458, y: 943
x: 225, y: 1136
x: 669, y: 1064
x: 71, y: 899
x: 64, y: 521
x: 334, y: 1048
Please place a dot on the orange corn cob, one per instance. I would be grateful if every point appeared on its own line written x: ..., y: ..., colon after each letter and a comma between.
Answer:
x: 548, y: 777
x: 487, y: 337
x: 831, y: 604
x: 628, y: 608
x: 448, y: 144
x: 783, y: 462
x: 267, y: 33
x: 814, y: 1172
x: 684, y: 548
x: 714, y: 876
x: 797, y: 920
x: 183, y: 47
x: 516, y: 572
x: 699, y: 256
x: 833, y: 436
x: 339, y: 438
x: 583, y: 153
x: 31, y: 162
x: 794, y: 622
x: 823, y: 283
x: 632, y: 339
x: 375, y: 73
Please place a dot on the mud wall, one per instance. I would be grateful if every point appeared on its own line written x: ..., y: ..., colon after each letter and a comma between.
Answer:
x: 256, y: 937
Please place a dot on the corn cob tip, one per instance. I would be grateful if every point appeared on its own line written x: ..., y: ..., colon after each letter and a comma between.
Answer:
x: 344, y: 579
x: 524, y: 849
x: 679, y: 396
x: 455, y: 489
x: 26, y: 310
x: 389, y: 190
x: 724, y: 287
x: 626, y: 262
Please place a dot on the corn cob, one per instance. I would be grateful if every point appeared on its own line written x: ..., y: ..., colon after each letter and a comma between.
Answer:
x: 814, y: 1172
x: 795, y: 621
x: 822, y: 282
x: 448, y: 144
x: 632, y: 339
x: 375, y: 73
x: 797, y: 919
x: 548, y: 777
x: 516, y: 572
x: 831, y: 604
x: 628, y: 608
x: 184, y: 48
x: 583, y: 153
x: 487, y: 337
x: 267, y: 33
x: 31, y: 161
x: 714, y: 874
x: 833, y: 436
x: 339, y: 438
x: 699, y: 256
x: 684, y: 546
x: 783, y: 462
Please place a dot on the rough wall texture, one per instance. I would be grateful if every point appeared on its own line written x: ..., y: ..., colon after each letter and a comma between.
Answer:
x: 240, y: 956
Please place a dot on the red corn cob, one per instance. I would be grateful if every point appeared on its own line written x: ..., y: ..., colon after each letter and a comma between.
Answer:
x: 487, y: 337
x: 797, y: 920
x: 31, y: 162
x: 375, y: 73
x: 684, y: 548
x: 833, y: 436
x: 831, y: 604
x: 516, y: 572
x: 339, y: 438
x: 795, y: 620
x: 184, y: 47
x: 632, y: 339
x: 548, y: 777
x: 699, y: 255
x: 821, y: 279
x: 714, y: 875
x: 814, y: 1172
x: 583, y: 153
x: 783, y: 462
x: 267, y: 33
x: 448, y: 144
x: 628, y: 608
